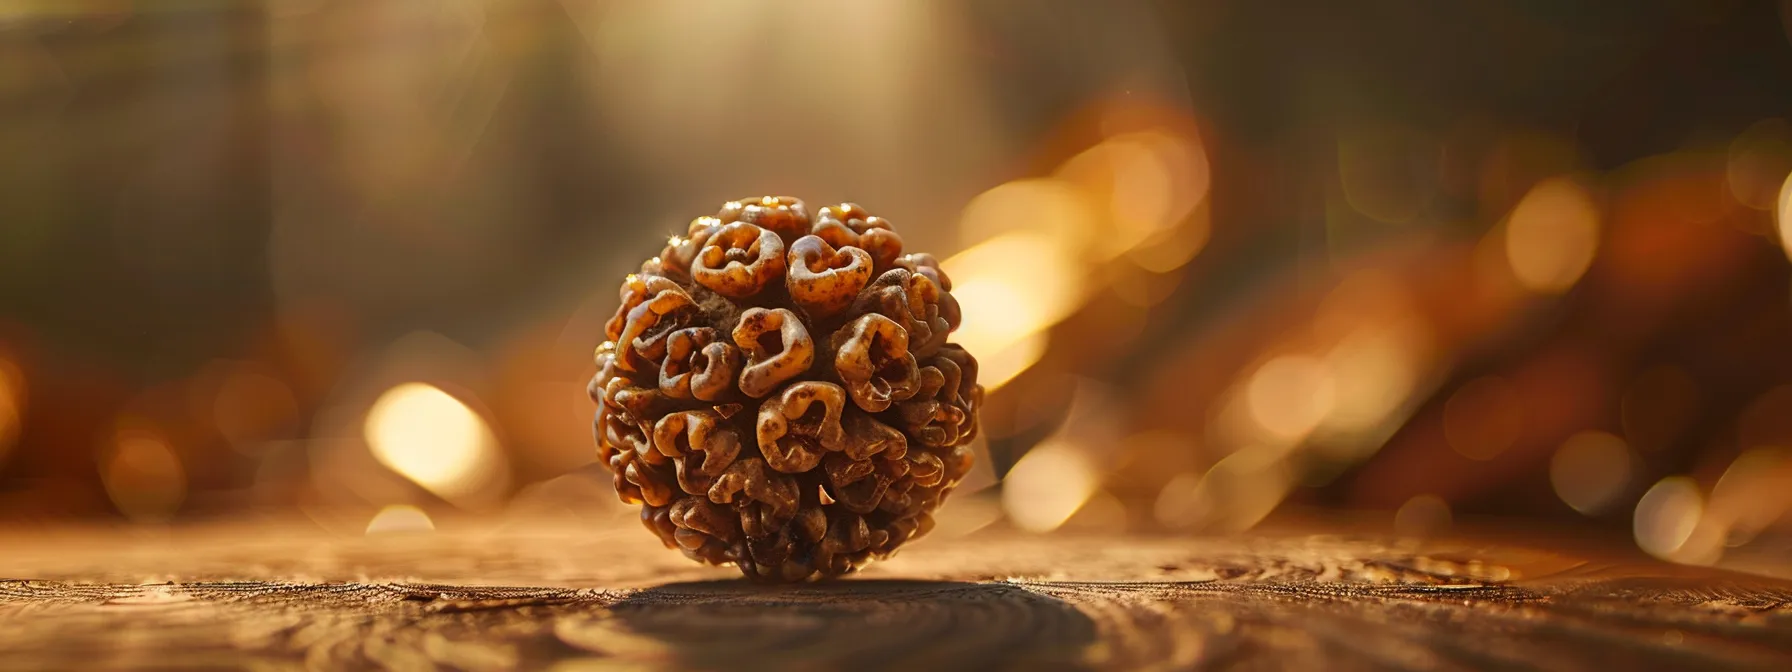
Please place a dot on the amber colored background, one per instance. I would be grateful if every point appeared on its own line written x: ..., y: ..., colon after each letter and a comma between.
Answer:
x: 1421, y: 264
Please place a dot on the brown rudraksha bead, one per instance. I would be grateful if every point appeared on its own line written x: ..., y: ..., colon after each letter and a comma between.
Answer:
x: 777, y: 391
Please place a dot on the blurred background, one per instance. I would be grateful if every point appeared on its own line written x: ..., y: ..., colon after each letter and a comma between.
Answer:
x: 1407, y: 263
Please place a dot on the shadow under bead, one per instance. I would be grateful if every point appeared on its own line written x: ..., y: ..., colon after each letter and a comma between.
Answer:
x: 748, y: 443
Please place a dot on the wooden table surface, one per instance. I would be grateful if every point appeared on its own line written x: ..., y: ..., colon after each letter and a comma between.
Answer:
x: 607, y: 596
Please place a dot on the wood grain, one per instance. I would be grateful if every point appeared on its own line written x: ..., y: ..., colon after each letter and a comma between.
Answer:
x: 278, y: 597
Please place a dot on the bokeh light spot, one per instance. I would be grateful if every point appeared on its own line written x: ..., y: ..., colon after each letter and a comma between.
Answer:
x: 1102, y: 514
x: 996, y: 369
x: 1288, y: 396
x: 1047, y: 486
x: 1140, y: 186
x: 1667, y: 515
x: 1174, y: 249
x: 1375, y: 373
x: 1180, y: 504
x: 1053, y: 209
x: 1010, y: 287
x: 400, y: 518
x: 1132, y: 181
x: 433, y: 439
x: 143, y: 477
x: 1552, y: 235
x: 12, y: 406
x: 1784, y: 215
x: 1245, y: 487
x: 1759, y: 160
x: 1590, y: 470
x: 1422, y: 516
x: 1751, y: 495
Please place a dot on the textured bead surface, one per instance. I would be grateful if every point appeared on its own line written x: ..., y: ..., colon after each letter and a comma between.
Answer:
x: 777, y: 391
